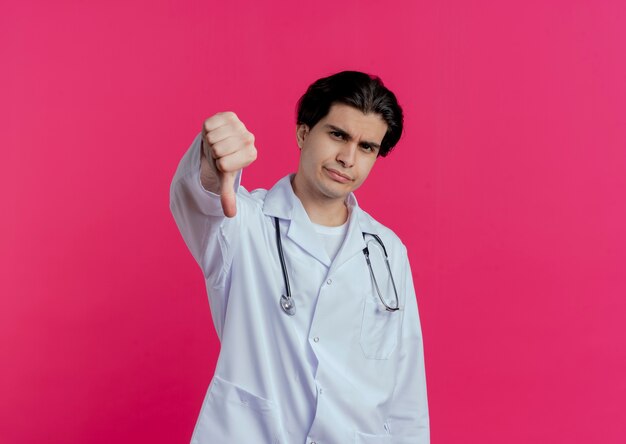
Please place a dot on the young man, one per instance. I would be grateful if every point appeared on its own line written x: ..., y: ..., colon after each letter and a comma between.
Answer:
x: 320, y: 335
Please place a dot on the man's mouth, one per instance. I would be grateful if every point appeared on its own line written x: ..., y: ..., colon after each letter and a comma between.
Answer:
x: 338, y: 176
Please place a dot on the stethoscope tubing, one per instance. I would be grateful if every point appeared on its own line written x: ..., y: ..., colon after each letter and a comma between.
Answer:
x: 366, y: 252
x: 282, y: 257
x: 286, y: 301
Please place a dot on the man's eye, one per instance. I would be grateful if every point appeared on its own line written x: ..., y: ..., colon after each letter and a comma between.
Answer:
x: 367, y: 147
x: 336, y: 134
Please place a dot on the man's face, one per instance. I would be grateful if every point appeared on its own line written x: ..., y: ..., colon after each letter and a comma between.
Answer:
x: 338, y: 152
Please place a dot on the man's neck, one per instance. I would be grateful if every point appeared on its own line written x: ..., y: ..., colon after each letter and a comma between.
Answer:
x: 331, y: 213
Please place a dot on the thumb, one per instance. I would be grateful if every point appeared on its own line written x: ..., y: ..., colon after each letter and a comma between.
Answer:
x: 227, y: 194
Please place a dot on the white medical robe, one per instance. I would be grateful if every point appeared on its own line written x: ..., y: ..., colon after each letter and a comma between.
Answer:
x: 342, y: 369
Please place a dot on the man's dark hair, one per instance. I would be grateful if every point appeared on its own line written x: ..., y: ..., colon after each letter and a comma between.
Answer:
x: 362, y: 91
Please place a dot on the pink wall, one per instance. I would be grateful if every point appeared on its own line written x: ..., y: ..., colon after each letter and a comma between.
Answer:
x: 508, y: 188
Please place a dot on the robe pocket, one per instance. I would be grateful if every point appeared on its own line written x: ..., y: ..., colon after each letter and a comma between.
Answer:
x: 231, y: 414
x: 364, y: 438
x: 379, y: 329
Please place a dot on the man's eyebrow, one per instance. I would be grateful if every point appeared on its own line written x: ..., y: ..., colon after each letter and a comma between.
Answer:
x: 348, y: 136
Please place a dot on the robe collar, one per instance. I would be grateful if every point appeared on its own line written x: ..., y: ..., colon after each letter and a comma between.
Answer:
x: 282, y: 202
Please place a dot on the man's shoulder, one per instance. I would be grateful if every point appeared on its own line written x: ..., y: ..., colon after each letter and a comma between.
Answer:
x: 256, y: 196
x: 268, y: 201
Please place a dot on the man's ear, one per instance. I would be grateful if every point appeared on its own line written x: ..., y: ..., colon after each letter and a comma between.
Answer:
x: 302, y: 131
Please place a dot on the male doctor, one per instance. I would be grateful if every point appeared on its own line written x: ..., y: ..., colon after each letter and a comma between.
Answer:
x: 312, y: 299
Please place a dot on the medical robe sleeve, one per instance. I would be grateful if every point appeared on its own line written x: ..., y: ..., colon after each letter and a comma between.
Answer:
x: 209, y: 235
x: 409, y: 412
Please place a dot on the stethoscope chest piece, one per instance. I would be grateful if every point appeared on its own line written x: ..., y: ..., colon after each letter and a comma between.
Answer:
x: 286, y: 303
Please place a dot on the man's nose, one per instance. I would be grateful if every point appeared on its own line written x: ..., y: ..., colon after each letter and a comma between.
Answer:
x: 347, y: 154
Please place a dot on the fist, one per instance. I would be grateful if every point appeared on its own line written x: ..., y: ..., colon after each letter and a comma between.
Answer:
x: 227, y: 148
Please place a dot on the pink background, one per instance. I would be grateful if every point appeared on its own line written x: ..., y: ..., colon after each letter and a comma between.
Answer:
x: 508, y: 188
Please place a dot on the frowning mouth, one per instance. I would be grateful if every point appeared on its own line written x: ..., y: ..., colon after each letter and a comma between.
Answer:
x: 338, y: 176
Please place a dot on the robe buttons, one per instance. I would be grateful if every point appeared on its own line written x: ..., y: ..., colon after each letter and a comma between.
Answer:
x: 316, y: 339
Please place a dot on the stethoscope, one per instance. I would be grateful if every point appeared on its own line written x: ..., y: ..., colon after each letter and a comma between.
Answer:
x: 287, y: 302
